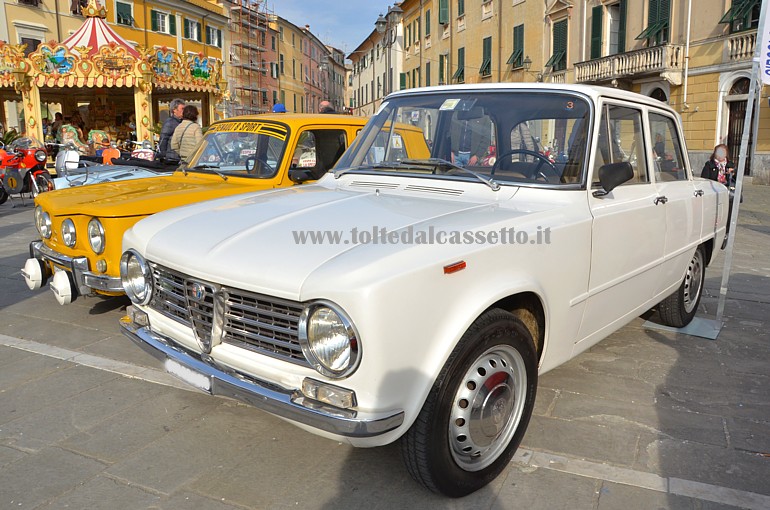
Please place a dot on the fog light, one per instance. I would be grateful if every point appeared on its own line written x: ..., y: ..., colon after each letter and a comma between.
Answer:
x: 101, y: 265
x: 329, y: 394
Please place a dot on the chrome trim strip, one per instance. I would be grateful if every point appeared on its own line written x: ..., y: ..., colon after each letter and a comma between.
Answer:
x: 78, y: 266
x: 286, y: 403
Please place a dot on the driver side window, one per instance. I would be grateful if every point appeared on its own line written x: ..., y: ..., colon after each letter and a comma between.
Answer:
x: 621, y: 140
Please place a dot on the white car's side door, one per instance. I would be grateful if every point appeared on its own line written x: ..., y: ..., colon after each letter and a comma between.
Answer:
x: 628, y: 229
x: 683, y: 204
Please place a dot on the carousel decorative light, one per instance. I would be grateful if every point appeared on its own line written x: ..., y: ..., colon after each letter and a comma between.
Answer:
x: 22, y: 80
x: 146, y: 83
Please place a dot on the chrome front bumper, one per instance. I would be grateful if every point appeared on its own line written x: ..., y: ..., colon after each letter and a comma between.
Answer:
x: 283, y: 402
x: 84, y: 279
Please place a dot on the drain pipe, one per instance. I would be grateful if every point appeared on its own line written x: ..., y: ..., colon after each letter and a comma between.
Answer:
x: 686, y: 106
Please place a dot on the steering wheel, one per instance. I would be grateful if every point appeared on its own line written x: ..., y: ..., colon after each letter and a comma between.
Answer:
x: 537, y: 174
x: 257, y: 166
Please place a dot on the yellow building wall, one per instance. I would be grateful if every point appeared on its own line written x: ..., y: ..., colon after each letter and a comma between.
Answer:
x: 290, y: 82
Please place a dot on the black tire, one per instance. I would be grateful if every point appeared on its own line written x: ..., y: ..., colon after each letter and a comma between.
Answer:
x: 678, y: 309
x: 472, y: 423
x: 44, y: 182
x: 3, y: 196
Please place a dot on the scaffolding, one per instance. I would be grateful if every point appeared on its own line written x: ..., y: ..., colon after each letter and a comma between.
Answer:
x: 249, y: 73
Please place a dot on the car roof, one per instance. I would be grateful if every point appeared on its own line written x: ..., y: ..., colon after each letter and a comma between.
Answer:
x: 301, y: 118
x: 595, y: 92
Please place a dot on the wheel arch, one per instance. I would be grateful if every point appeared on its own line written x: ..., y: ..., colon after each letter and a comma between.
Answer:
x: 529, y: 308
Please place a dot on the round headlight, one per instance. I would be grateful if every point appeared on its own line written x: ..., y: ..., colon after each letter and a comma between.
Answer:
x: 40, y: 155
x: 136, y: 277
x: 68, y: 232
x: 96, y: 235
x: 43, y: 222
x: 329, y: 340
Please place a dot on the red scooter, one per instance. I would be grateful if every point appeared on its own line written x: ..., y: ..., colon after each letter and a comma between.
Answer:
x: 22, y: 168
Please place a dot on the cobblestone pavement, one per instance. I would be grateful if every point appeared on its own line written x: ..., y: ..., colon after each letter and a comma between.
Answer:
x: 645, y: 419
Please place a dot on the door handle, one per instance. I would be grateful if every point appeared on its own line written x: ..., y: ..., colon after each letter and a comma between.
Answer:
x: 660, y: 200
x: 698, y: 192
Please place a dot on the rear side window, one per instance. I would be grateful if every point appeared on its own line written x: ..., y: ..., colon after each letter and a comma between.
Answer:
x: 666, y: 149
x: 319, y: 150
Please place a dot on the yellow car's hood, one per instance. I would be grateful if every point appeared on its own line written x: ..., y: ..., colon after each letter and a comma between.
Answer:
x: 141, y: 197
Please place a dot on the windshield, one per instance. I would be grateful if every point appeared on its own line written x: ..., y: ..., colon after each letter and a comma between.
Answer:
x: 245, y: 148
x: 512, y: 136
x: 25, y: 142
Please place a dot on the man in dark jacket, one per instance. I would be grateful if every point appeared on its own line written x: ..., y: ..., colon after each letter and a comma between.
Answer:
x: 175, y: 110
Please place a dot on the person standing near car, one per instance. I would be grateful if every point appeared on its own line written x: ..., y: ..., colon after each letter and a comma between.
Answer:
x: 187, y: 134
x: 326, y: 107
x: 175, y: 110
x: 719, y: 168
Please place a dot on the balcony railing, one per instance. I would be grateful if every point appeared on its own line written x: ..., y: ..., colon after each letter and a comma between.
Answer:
x: 666, y: 61
x: 557, y: 77
x: 741, y: 46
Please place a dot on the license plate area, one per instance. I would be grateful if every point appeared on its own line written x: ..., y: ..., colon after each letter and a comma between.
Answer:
x: 188, y: 375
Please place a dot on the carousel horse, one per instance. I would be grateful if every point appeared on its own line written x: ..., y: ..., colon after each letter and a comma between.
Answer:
x: 69, y: 134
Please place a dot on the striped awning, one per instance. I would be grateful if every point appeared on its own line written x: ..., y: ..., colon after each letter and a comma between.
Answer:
x: 95, y: 33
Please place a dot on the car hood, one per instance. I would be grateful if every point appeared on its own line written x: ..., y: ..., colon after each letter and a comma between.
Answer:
x: 255, y: 242
x: 141, y: 197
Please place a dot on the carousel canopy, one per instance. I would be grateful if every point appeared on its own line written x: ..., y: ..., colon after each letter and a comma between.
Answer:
x: 95, y: 33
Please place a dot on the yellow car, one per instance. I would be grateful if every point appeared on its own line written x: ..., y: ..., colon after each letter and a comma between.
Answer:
x: 81, y: 229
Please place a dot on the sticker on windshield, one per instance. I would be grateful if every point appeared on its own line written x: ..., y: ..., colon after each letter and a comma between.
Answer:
x: 449, y: 104
x: 248, y: 152
x: 397, y: 142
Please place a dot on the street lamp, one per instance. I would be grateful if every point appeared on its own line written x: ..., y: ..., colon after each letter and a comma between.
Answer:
x: 387, y: 26
x: 527, y: 65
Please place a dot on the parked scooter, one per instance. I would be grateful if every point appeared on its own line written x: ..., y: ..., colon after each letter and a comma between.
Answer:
x: 22, y: 168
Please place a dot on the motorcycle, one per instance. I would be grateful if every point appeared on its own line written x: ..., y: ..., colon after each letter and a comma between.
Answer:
x: 23, y: 168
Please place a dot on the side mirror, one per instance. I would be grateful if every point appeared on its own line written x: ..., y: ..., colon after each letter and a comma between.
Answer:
x: 300, y: 175
x: 613, y: 175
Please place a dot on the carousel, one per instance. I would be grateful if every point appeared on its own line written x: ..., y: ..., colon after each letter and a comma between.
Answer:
x: 101, y: 82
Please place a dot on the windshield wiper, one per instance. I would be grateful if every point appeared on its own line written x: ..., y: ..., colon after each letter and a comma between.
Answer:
x: 213, y: 168
x: 440, y: 163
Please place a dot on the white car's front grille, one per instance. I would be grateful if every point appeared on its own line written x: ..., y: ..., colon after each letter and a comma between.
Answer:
x: 263, y: 324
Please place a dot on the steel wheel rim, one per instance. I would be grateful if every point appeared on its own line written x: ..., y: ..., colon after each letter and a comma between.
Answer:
x: 487, y: 407
x: 693, y: 281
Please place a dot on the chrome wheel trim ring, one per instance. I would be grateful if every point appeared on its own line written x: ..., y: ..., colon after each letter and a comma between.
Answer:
x: 487, y: 408
x: 693, y: 281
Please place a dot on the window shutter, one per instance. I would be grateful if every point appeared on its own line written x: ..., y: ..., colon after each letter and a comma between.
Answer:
x: 427, y: 23
x: 560, y: 45
x: 596, y: 31
x: 198, y: 34
x: 443, y: 12
x: 402, y: 80
x: 652, y: 15
x: 460, y: 7
x: 186, y: 29
x: 208, y: 35
x: 219, y: 38
x: 172, y: 24
x: 154, y: 21
x: 441, y: 69
x: 622, y: 27
x: 518, y: 43
x: 427, y: 74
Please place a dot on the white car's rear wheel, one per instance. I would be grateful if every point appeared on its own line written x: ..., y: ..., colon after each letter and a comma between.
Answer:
x: 478, y: 409
x: 678, y: 309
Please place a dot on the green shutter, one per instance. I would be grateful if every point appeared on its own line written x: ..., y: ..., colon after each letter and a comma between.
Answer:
x: 208, y: 35
x: 516, y: 57
x: 441, y: 69
x: 154, y: 21
x: 597, y: 27
x: 558, y: 61
x: 460, y: 7
x: 486, y: 63
x: 186, y: 29
x: 402, y: 80
x: 417, y: 24
x: 427, y: 22
x: 172, y: 24
x: 652, y: 14
x: 427, y: 74
x: 443, y: 12
x: 622, y: 27
x: 219, y: 38
x: 198, y: 34
x: 460, y: 73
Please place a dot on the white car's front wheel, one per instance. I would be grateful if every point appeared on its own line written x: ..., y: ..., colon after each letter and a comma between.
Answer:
x: 478, y: 409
